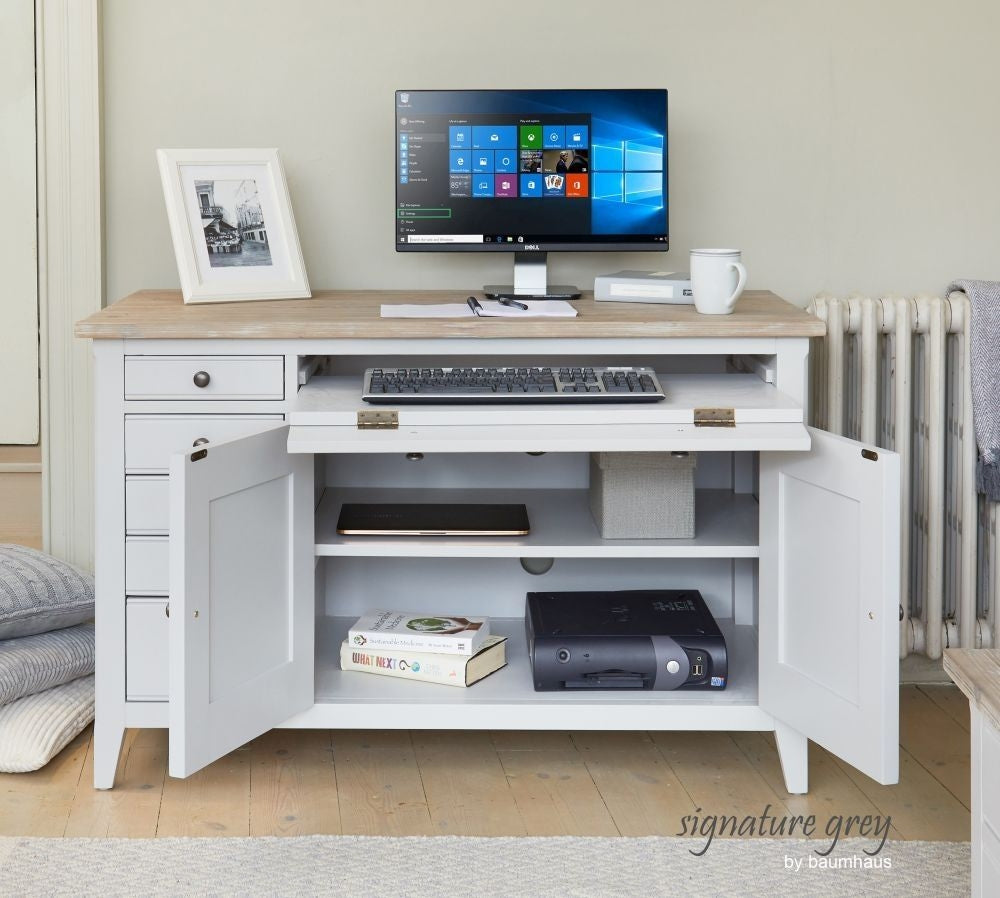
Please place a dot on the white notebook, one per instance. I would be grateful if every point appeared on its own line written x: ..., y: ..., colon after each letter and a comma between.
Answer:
x: 488, y: 308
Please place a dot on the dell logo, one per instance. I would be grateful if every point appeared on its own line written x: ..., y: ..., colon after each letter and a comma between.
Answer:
x: 533, y: 246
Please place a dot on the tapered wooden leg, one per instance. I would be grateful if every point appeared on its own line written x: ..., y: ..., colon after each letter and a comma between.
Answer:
x: 793, y: 751
x: 107, y: 748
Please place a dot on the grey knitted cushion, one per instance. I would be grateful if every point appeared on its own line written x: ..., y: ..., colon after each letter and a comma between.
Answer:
x: 39, y: 593
x: 33, y: 663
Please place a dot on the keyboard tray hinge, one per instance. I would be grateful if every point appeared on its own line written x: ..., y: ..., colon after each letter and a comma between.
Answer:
x: 369, y: 419
x: 714, y: 417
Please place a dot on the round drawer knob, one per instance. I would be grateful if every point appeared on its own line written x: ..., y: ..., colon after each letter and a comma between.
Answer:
x: 678, y: 454
x: 673, y: 667
x: 166, y: 609
x: 200, y: 441
x: 202, y: 379
x: 414, y: 456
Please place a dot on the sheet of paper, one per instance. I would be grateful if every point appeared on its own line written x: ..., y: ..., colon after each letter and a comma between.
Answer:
x: 537, y: 308
x: 441, y: 310
x: 489, y: 308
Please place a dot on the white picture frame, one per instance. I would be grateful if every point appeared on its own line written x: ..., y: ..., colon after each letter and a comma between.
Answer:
x: 231, y: 225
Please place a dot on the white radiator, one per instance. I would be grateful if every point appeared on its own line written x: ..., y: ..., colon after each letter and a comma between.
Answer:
x: 893, y: 371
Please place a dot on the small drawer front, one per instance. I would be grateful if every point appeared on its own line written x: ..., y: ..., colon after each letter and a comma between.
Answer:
x: 204, y: 377
x: 147, y: 505
x: 146, y: 650
x: 147, y: 565
x: 150, y: 440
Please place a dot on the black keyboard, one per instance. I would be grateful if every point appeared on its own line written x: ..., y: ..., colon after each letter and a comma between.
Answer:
x: 484, y: 385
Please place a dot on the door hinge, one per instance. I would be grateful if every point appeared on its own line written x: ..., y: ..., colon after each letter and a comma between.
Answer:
x: 369, y: 419
x: 714, y: 417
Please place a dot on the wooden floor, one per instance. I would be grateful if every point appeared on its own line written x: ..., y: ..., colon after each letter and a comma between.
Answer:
x: 295, y: 782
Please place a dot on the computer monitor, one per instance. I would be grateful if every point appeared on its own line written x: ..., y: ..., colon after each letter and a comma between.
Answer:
x: 530, y: 172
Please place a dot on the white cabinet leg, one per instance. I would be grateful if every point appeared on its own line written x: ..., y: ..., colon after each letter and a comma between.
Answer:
x: 107, y: 747
x: 793, y: 752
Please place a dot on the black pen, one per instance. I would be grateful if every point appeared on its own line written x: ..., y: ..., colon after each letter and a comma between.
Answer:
x: 508, y: 301
x: 474, y: 305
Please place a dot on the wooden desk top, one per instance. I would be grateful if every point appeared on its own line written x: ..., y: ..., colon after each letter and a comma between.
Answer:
x: 346, y: 314
x: 977, y: 673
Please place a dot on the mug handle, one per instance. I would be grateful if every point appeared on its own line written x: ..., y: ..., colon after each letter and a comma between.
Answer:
x: 740, y: 284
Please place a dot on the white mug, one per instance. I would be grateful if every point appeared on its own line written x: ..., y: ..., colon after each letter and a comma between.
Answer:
x: 717, y: 280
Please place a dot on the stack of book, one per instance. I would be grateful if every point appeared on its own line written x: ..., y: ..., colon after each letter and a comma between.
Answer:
x: 455, y: 651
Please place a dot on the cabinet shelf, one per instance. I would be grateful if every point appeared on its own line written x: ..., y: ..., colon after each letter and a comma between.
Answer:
x: 561, y: 527
x: 355, y: 699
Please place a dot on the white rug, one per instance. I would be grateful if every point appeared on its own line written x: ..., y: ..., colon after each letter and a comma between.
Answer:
x: 441, y: 867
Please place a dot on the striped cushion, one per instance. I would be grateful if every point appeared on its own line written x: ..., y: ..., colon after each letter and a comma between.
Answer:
x: 33, y: 663
x: 39, y: 593
x: 35, y: 729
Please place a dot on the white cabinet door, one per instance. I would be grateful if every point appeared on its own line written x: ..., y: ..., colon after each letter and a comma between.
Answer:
x: 241, y: 594
x: 829, y: 598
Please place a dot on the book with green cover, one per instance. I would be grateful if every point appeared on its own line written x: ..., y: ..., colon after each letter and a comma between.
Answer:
x: 429, y: 667
x: 419, y: 632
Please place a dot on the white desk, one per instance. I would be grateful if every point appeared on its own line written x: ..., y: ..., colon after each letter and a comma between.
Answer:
x: 977, y: 673
x: 796, y: 547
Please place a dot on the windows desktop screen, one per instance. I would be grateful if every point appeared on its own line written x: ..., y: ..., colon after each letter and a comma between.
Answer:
x: 553, y: 169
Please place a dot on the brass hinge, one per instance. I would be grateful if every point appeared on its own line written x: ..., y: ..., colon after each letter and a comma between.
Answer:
x: 714, y: 417
x: 378, y: 420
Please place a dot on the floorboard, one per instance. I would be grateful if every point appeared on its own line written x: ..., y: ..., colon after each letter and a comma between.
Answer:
x: 930, y: 735
x: 38, y: 803
x: 920, y: 807
x: 379, y: 785
x: 951, y: 701
x: 132, y: 808
x: 291, y: 782
x: 715, y: 773
x: 832, y: 793
x: 215, y: 801
x: 555, y: 793
x: 466, y: 788
x: 640, y: 790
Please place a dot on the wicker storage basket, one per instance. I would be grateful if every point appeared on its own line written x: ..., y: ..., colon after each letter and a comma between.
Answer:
x: 643, y: 495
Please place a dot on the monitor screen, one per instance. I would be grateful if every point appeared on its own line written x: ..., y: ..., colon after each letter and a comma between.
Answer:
x: 546, y: 170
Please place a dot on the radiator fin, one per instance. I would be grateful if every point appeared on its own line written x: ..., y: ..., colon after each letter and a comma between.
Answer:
x: 894, y: 371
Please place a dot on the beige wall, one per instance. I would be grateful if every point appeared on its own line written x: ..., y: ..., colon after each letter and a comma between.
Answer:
x: 842, y: 145
x: 18, y: 237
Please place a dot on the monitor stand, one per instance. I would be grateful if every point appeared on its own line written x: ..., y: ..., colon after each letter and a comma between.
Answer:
x: 530, y: 281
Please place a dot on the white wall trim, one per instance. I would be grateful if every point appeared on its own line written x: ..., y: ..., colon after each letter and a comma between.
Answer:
x: 26, y: 467
x: 70, y: 263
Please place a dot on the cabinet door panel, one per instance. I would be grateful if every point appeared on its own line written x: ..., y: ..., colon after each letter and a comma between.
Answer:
x: 829, y: 598
x: 241, y: 594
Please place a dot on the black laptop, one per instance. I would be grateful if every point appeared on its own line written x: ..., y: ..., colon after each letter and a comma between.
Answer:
x: 432, y: 519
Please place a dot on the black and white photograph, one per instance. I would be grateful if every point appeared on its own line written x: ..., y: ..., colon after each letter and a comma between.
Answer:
x: 233, y: 223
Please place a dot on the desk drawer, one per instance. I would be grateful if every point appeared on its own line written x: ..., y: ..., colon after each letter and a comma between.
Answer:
x: 204, y: 377
x: 147, y: 505
x: 146, y: 650
x: 147, y: 565
x: 150, y: 440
